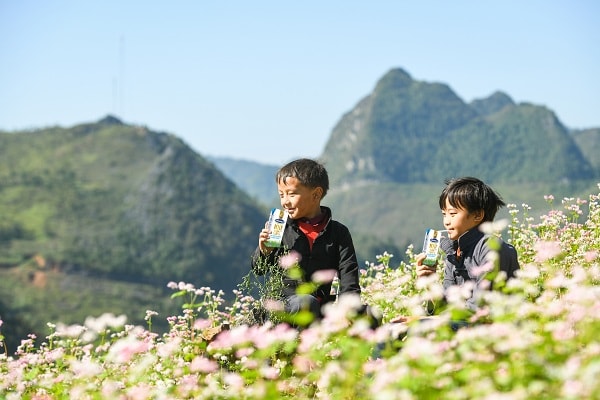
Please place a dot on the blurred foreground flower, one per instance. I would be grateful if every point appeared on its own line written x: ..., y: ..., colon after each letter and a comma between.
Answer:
x: 546, y: 250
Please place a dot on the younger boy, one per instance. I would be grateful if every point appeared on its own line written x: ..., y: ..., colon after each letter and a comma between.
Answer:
x: 466, y: 203
x: 321, y: 242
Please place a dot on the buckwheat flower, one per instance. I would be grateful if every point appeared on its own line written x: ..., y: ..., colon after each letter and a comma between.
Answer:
x: 482, y: 269
x: 494, y: 227
x: 303, y: 364
x: 202, y: 323
x: 69, y: 331
x: 124, y: 349
x: 263, y: 338
x: 528, y: 272
x: 589, y: 256
x: 290, y: 259
x: 573, y: 389
x: 324, y: 276
x: 172, y: 285
x: 150, y: 314
x: 273, y: 305
x: 546, y: 250
x: 458, y: 294
x: 141, y: 391
x: 55, y: 354
x: 85, y: 368
x: 244, y: 352
x: 188, y: 287
x: 105, y: 321
x: 203, y: 365
x: 233, y: 380
x: 333, y: 371
x: 309, y: 338
x: 270, y: 373
x: 169, y: 347
x: 561, y: 330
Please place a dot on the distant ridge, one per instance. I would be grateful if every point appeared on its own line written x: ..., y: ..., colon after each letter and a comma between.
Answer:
x: 258, y: 180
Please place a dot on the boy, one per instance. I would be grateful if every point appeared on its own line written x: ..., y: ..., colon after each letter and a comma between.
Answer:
x: 310, y: 232
x: 466, y: 203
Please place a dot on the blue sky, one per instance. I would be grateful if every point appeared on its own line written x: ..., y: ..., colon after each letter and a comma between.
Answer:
x: 268, y: 80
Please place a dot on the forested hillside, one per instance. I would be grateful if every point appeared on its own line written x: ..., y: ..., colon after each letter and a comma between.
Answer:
x: 122, y: 200
x: 408, y: 131
x: 99, y: 217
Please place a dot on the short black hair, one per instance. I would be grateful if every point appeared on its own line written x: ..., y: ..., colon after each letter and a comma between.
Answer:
x: 309, y: 172
x: 472, y: 195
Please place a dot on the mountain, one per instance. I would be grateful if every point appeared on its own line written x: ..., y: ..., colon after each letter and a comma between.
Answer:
x: 389, y: 156
x: 108, y: 203
x: 408, y: 131
x: 125, y: 201
x: 588, y: 141
x: 258, y: 180
x: 492, y: 104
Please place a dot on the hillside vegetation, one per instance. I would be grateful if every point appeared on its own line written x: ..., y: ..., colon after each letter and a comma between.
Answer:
x: 110, y: 202
x: 121, y: 200
x: 408, y: 131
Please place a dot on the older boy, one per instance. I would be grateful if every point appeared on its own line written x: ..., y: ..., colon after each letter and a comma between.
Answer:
x: 321, y: 242
x: 466, y: 203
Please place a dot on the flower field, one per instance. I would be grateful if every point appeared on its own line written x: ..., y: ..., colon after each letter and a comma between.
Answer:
x: 535, y: 337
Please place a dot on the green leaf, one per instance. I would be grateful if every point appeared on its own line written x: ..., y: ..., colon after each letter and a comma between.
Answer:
x: 306, y: 288
x: 178, y: 294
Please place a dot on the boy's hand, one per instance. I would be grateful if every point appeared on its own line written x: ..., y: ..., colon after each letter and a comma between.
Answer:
x: 423, y: 270
x: 262, y: 238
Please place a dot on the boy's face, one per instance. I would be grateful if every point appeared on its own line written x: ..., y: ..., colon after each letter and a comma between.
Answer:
x: 457, y: 220
x: 300, y: 201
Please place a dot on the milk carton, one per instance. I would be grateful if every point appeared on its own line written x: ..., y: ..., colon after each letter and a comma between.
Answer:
x: 431, y: 246
x: 277, y: 220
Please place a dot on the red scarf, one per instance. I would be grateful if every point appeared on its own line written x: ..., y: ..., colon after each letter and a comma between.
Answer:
x: 312, y: 227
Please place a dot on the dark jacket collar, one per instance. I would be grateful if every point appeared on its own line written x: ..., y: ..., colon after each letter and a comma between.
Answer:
x: 468, y: 239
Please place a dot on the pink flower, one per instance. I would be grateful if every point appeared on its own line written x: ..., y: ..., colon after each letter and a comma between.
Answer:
x: 204, y: 365
x: 235, y: 381
x: 482, y: 269
x: 271, y: 373
x: 303, y: 364
x: 589, y: 256
x: 546, y: 250
x: 289, y: 260
x: 324, y: 276
x: 273, y: 305
x: 202, y: 323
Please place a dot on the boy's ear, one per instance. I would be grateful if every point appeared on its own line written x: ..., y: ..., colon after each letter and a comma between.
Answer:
x: 479, y: 214
x: 317, y: 193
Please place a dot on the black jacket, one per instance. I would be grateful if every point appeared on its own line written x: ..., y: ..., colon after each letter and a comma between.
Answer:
x: 332, y: 249
x: 474, y: 253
